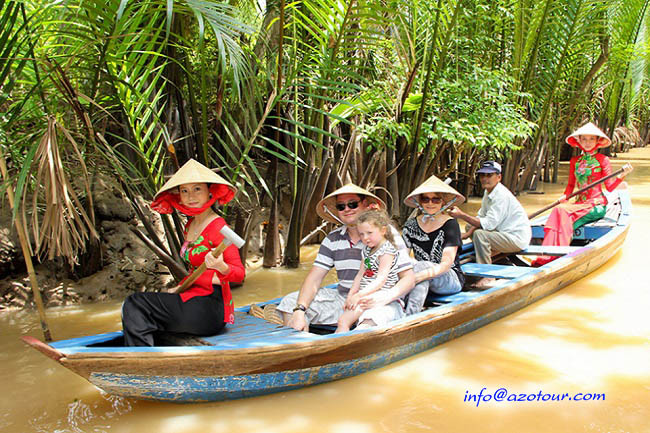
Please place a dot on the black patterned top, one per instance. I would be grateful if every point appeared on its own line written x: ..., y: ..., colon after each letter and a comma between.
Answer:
x: 429, y: 246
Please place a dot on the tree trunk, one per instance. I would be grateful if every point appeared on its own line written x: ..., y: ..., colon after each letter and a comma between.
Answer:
x: 271, y: 244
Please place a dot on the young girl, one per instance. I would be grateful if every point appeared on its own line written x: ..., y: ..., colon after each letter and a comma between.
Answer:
x: 589, y: 206
x: 378, y: 271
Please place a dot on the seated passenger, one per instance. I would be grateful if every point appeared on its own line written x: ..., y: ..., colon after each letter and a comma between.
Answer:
x: 586, y: 168
x: 435, y: 239
x: 501, y: 226
x: 341, y: 250
x: 378, y: 271
x: 206, y: 307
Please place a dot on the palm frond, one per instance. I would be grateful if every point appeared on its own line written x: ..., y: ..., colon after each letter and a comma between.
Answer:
x: 65, y: 227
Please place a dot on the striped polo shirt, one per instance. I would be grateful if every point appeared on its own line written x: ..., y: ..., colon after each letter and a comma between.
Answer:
x: 338, y: 251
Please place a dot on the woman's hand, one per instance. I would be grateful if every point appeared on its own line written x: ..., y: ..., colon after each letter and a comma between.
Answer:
x: 217, y: 263
x: 562, y: 199
x: 174, y: 289
x: 627, y: 169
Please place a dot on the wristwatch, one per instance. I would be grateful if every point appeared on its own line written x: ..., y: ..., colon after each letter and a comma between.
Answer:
x: 300, y: 307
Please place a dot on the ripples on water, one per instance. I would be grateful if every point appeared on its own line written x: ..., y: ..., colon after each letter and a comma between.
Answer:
x: 593, y: 336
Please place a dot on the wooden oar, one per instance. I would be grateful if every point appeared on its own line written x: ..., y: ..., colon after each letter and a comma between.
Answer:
x: 229, y: 237
x: 591, y: 185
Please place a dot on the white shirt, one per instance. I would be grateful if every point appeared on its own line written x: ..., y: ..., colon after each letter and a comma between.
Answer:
x: 501, y: 211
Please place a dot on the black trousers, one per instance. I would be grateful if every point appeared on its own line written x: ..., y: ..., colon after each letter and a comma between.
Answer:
x: 144, y: 313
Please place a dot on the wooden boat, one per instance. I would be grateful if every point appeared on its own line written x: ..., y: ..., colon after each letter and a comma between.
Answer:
x: 256, y: 357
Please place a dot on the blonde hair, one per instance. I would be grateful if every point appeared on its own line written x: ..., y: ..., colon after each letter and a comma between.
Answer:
x: 379, y: 219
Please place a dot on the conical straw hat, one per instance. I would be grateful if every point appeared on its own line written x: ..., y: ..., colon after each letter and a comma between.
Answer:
x: 434, y: 185
x: 588, y: 129
x: 194, y: 172
x: 329, y: 202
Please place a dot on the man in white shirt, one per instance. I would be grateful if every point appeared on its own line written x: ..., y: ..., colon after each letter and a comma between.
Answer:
x: 501, y: 225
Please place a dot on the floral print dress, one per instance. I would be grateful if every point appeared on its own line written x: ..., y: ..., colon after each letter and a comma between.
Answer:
x: 588, y: 206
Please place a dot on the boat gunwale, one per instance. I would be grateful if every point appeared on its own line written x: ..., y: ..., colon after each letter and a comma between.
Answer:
x: 549, y: 270
x: 275, y: 358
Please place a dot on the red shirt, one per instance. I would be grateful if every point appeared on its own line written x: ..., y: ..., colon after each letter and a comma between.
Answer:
x: 194, y: 255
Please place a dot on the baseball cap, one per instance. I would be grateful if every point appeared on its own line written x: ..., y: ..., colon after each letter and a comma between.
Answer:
x: 490, y: 167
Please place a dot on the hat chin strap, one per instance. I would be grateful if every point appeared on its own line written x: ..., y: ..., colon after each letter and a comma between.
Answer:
x: 427, y: 216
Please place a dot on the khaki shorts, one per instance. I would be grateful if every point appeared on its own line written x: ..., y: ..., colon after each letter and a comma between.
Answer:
x: 325, y: 309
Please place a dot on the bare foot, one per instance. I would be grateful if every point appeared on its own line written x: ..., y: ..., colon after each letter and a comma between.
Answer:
x: 485, y: 283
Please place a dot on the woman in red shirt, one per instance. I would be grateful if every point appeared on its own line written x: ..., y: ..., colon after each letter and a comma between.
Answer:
x: 206, y: 307
x: 589, y: 206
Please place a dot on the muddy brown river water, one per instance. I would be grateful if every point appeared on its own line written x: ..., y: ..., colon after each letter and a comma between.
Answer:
x: 589, y: 342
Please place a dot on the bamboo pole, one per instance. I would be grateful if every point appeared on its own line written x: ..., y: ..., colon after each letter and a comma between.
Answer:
x: 26, y: 252
x: 591, y: 185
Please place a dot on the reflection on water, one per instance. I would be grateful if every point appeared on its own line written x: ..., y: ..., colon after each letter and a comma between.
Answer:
x: 591, y: 337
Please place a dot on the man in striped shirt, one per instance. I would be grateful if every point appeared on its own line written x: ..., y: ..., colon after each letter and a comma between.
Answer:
x: 341, y: 250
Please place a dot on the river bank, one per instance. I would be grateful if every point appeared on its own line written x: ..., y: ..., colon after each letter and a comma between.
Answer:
x: 127, y: 264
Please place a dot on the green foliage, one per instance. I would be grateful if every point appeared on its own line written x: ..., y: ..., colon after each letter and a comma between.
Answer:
x: 380, y: 132
x: 477, y: 109
x: 144, y: 85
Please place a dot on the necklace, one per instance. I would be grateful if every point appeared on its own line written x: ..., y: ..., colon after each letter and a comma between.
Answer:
x: 197, y: 226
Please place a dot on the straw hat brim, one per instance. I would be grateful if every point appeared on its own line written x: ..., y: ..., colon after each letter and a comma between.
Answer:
x: 194, y: 172
x: 588, y: 129
x: 329, y: 202
x: 434, y: 185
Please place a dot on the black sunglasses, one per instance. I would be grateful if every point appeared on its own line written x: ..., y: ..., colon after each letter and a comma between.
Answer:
x: 424, y: 199
x: 351, y: 204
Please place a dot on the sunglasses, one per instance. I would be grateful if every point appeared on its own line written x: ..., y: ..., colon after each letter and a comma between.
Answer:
x: 430, y: 199
x: 351, y: 204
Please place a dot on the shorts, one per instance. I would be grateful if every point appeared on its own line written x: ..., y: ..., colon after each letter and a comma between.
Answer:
x: 325, y: 309
x: 384, y: 314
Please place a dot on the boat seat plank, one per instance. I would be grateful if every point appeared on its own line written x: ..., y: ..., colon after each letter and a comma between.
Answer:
x: 253, y: 331
x: 587, y: 231
x: 496, y: 271
x: 547, y: 250
x: 82, y: 341
x: 246, y: 325
x: 289, y: 336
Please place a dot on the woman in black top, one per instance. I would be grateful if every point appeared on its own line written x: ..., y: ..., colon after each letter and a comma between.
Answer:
x: 435, y: 240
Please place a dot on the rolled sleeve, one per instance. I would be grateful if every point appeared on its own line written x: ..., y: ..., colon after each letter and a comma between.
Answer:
x: 404, y: 261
